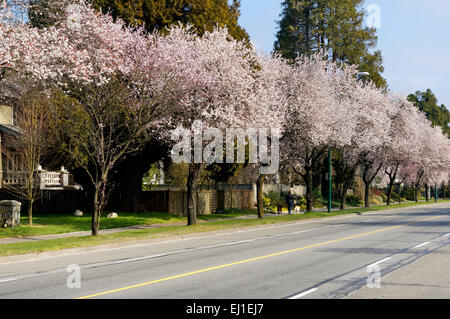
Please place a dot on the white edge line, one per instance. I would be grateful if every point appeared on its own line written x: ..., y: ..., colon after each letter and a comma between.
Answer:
x: 379, y: 262
x: 421, y: 245
x: 447, y: 235
x: 304, y: 293
x: 9, y: 279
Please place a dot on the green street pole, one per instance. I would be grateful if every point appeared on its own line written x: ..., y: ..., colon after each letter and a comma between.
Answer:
x: 329, y: 180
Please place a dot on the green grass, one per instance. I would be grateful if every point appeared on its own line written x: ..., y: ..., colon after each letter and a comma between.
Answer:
x: 167, y: 231
x: 45, y: 224
x: 50, y: 224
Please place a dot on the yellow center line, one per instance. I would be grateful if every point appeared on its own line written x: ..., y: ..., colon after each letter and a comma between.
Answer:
x: 254, y: 259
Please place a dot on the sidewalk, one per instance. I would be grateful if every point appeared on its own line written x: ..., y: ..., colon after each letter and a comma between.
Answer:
x: 13, y: 240
x: 426, y: 278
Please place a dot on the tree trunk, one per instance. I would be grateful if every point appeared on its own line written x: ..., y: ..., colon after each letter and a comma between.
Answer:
x: 389, y: 194
x: 192, y: 183
x: 259, y: 195
x: 95, y: 213
x: 30, y: 213
x: 99, y: 204
x: 367, y: 194
x: 368, y: 181
x: 346, y: 186
x: 390, y: 190
x: 427, y: 193
x: 392, y: 178
x: 309, y: 190
x: 343, y: 198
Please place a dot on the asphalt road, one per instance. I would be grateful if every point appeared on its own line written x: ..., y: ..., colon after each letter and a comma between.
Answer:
x: 326, y: 258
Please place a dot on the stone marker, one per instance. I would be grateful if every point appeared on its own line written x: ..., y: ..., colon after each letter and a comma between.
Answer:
x: 112, y: 215
x: 78, y: 213
x: 10, y: 213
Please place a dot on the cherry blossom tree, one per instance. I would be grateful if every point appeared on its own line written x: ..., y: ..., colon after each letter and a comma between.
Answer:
x: 272, y: 83
x: 108, y: 70
x: 369, y: 122
x: 318, y: 115
x: 435, y: 162
x: 222, y: 83
x: 404, y: 141
x: 430, y: 166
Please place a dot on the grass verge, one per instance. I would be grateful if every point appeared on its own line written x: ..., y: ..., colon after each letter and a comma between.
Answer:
x: 168, y: 231
x: 51, y: 224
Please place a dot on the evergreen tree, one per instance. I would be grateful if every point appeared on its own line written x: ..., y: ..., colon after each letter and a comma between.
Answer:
x: 46, y: 13
x: 204, y: 15
x: 428, y: 103
x: 334, y: 27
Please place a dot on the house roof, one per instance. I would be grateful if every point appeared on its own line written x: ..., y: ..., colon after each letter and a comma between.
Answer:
x: 10, y: 129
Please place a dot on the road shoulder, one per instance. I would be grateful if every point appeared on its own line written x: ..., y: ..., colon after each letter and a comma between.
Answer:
x: 426, y: 278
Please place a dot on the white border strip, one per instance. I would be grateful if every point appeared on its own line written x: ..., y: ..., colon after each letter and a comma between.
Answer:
x: 424, y: 244
x: 304, y: 293
x: 379, y: 262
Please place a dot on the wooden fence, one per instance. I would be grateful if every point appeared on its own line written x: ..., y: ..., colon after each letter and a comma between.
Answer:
x: 208, y: 201
x: 173, y: 201
x: 67, y: 201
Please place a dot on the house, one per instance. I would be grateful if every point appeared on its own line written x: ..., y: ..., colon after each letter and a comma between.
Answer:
x: 11, y: 167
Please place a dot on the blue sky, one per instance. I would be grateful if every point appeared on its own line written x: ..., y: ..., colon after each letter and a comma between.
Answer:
x: 413, y: 37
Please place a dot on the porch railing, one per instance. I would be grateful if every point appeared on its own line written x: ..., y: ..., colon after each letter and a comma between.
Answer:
x: 51, y: 179
x: 14, y: 178
x: 46, y: 179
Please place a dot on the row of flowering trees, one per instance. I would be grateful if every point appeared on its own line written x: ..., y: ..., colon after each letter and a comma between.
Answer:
x: 123, y: 86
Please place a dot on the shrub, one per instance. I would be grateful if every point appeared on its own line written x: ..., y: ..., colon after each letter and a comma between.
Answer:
x: 301, y: 202
x: 354, y: 200
x: 276, y: 199
x: 376, y: 192
x: 394, y: 197
x: 317, y: 198
x: 375, y: 201
x: 408, y: 194
x: 266, y: 202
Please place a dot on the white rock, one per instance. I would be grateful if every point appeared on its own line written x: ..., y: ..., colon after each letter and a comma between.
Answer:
x: 78, y: 213
x: 112, y: 215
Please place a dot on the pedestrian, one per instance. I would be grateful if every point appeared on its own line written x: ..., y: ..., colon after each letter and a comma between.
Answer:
x: 290, y: 202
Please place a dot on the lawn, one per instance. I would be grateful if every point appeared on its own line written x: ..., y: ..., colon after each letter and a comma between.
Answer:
x: 226, y: 223
x: 47, y: 224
